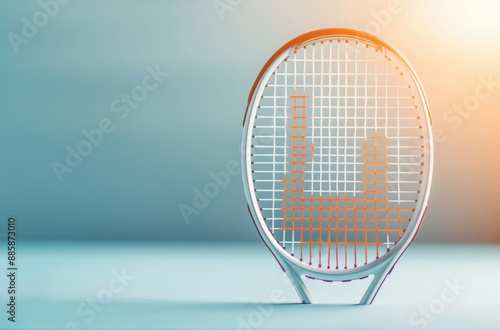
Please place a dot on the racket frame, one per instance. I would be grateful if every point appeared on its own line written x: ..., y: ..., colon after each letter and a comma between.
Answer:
x: 294, y: 268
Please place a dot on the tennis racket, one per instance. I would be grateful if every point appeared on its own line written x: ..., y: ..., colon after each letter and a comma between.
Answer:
x: 337, y: 159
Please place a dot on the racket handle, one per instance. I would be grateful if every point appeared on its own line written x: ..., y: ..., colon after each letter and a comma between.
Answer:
x: 298, y: 284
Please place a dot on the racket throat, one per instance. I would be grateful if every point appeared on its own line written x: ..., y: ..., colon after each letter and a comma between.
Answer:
x: 375, y: 285
x: 298, y: 284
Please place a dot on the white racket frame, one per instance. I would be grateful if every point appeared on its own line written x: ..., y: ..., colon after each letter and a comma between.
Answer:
x: 295, y: 269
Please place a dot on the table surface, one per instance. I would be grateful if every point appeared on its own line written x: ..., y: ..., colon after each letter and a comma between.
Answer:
x: 145, y: 285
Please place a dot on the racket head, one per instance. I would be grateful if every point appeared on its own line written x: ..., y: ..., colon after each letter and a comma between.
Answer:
x: 296, y: 95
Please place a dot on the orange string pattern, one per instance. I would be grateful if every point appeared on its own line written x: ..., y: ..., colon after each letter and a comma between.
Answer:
x: 346, y: 225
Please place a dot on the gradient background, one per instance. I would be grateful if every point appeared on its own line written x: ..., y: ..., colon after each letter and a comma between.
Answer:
x: 119, y: 209
x: 130, y: 187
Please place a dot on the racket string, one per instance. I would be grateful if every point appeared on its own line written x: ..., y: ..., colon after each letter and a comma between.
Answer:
x: 315, y: 159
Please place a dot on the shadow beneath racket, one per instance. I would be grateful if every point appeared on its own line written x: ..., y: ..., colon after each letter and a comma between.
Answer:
x: 251, y: 304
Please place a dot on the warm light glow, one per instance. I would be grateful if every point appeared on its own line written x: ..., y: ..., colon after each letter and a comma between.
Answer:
x: 476, y: 21
x: 480, y: 16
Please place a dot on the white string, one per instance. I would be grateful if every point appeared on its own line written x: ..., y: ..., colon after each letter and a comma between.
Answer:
x: 345, y: 120
x: 355, y: 121
x: 337, y: 138
x: 376, y: 99
x: 398, y: 148
x: 286, y: 100
x: 320, y: 124
x: 331, y: 153
x: 276, y: 79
